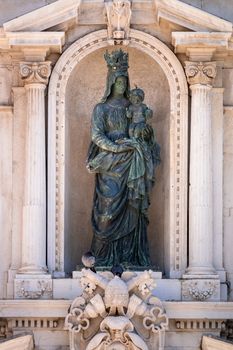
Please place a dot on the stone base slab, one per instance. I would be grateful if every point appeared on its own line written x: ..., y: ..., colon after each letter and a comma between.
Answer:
x: 67, y: 288
x: 44, y: 287
x: 199, y: 276
x: 155, y: 274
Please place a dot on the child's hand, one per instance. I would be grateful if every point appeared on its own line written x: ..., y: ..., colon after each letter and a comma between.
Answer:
x: 120, y: 141
x: 149, y: 113
x: 129, y: 113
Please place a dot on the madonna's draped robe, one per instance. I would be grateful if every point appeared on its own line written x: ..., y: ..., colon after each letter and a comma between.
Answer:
x: 123, y: 182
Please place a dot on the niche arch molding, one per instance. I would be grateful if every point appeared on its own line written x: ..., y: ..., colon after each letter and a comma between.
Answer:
x: 176, y: 214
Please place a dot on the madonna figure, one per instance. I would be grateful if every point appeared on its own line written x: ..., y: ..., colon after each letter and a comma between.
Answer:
x: 124, y: 169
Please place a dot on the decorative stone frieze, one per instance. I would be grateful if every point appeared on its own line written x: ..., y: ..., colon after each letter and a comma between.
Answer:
x: 33, y: 289
x: 118, y: 16
x: 200, y: 324
x: 117, y: 313
x: 201, y: 290
x: 35, y: 72
x: 32, y: 322
x: 200, y: 72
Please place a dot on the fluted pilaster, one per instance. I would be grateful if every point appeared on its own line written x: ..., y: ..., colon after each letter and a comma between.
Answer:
x: 200, y: 76
x: 35, y: 76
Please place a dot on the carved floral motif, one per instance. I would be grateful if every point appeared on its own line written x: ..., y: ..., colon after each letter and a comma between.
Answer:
x: 35, y: 72
x: 200, y: 72
x: 198, y: 290
x: 44, y: 289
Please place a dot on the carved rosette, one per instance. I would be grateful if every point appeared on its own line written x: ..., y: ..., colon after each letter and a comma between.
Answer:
x: 200, y: 72
x: 35, y: 72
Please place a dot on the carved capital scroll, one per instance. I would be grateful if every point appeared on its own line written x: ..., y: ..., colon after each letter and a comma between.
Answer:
x: 35, y: 72
x: 200, y: 72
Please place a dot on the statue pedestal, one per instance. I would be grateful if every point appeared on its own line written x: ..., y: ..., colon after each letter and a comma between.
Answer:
x: 155, y: 274
x: 44, y: 287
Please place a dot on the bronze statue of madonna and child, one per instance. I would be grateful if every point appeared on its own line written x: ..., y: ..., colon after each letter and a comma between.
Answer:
x: 123, y: 155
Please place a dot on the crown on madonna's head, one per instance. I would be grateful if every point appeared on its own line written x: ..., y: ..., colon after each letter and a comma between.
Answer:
x: 117, y: 61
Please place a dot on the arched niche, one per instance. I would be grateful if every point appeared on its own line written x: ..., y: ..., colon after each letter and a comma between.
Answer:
x: 62, y: 195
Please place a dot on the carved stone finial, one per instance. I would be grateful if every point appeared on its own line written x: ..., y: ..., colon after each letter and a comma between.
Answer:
x: 35, y: 72
x: 118, y: 15
x: 200, y: 72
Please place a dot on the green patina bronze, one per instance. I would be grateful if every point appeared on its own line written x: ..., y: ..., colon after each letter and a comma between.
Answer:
x: 123, y: 155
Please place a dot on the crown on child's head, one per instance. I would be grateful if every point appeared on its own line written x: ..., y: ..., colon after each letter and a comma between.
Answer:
x: 117, y: 61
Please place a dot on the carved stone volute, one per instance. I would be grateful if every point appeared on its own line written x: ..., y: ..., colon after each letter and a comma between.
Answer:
x: 200, y: 72
x: 35, y: 72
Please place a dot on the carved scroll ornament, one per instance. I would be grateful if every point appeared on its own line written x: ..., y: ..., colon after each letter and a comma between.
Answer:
x: 200, y: 72
x: 35, y: 72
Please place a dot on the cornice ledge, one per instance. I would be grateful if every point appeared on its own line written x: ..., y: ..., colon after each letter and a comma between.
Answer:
x: 190, y: 17
x: 44, y: 17
x: 215, y: 41
x: 199, y: 310
x: 51, y: 40
x: 58, y: 308
x: 6, y: 110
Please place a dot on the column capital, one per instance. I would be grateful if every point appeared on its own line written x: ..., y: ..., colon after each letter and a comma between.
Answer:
x: 200, y: 72
x: 35, y: 72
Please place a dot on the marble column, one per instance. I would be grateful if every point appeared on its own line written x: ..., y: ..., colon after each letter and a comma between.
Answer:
x: 200, y: 76
x: 35, y: 76
x: 218, y: 152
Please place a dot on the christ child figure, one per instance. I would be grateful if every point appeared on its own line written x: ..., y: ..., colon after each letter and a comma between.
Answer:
x: 138, y: 114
